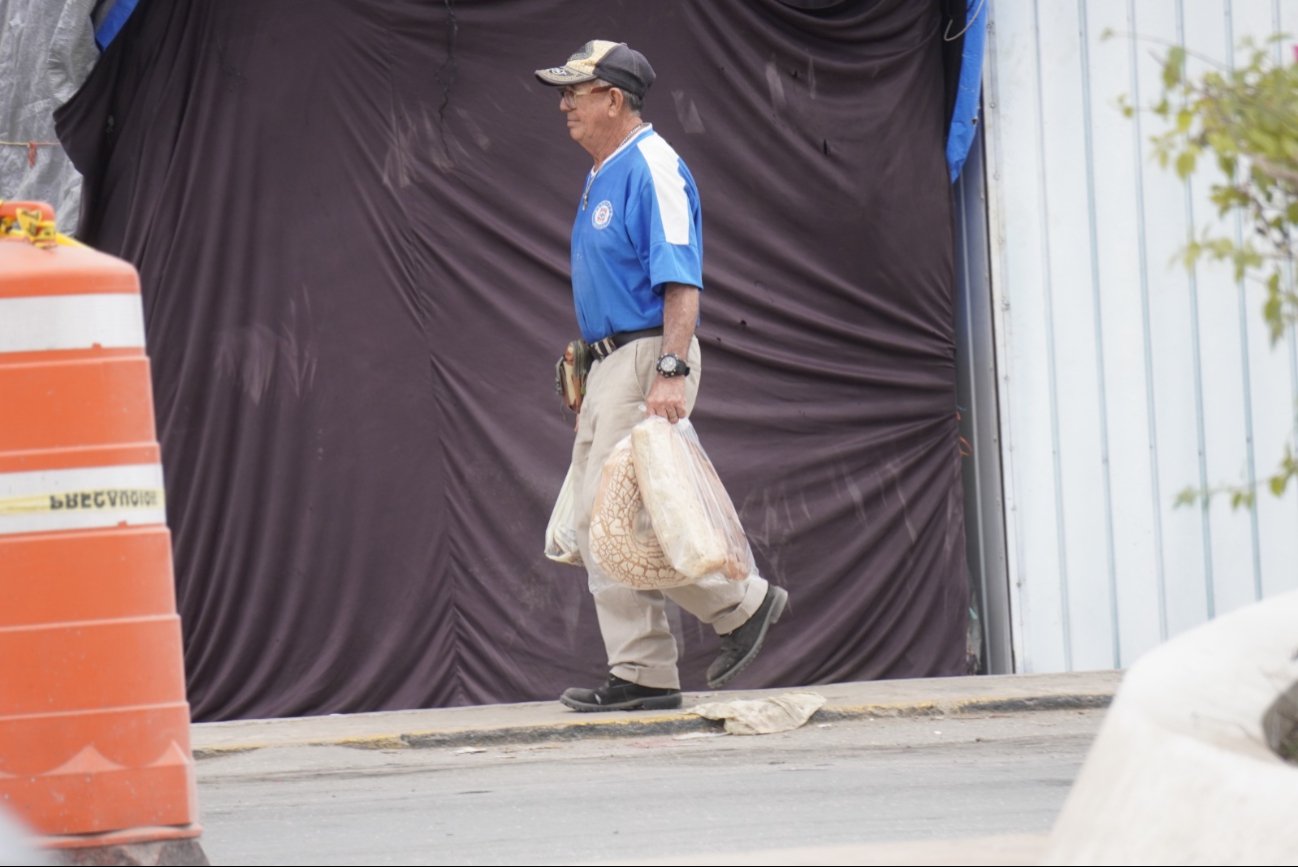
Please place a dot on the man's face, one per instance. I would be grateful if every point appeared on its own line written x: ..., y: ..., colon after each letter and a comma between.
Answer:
x: 586, y: 108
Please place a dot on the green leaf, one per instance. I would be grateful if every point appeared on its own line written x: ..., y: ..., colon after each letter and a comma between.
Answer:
x: 1221, y: 248
x: 1263, y: 141
x: 1244, y: 121
x: 1172, y: 66
x: 1271, y: 311
x: 1222, y: 143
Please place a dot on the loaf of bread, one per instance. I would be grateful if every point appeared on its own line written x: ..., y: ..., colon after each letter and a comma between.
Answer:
x: 623, y: 543
x: 691, y: 513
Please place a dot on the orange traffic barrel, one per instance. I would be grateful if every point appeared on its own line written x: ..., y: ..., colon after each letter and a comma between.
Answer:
x: 94, y: 723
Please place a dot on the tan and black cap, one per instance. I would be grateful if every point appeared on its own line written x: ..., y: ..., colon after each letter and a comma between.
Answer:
x: 613, y: 62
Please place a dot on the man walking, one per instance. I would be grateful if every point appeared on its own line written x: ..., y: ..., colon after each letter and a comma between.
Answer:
x: 637, y: 271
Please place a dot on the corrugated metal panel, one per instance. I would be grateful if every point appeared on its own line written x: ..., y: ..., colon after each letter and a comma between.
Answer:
x: 1123, y: 377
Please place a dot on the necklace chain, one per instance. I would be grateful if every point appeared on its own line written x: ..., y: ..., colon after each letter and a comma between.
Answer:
x: 590, y: 179
x: 635, y: 129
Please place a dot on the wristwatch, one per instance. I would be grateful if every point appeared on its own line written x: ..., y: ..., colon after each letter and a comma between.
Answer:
x: 670, y: 365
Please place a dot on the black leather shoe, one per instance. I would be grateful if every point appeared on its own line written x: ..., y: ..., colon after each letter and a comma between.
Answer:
x: 740, y: 647
x: 619, y: 694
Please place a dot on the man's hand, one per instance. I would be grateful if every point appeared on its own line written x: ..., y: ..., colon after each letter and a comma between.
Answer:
x: 667, y: 398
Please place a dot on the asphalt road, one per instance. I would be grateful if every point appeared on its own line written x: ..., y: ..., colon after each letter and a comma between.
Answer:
x: 824, y: 789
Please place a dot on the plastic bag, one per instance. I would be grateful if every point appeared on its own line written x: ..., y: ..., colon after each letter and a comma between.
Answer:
x: 560, y: 535
x: 623, y: 543
x: 692, y: 515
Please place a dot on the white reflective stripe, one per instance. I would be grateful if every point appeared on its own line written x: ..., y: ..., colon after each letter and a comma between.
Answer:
x: 81, y: 498
x: 36, y: 324
x: 669, y: 188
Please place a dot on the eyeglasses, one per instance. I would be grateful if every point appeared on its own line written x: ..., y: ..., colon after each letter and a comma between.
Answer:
x: 569, y: 96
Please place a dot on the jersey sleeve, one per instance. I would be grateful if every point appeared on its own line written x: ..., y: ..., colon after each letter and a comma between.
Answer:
x: 663, y: 218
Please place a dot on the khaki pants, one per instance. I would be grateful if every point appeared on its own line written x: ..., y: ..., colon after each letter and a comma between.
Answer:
x: 637, y: 636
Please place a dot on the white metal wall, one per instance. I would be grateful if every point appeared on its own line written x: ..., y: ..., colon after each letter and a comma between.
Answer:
x: 1123, y: 377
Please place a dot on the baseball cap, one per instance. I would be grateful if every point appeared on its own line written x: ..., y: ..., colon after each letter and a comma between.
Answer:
x: 613, y: 62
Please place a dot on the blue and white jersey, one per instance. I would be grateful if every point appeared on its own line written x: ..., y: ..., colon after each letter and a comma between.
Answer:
x: 638, y: 227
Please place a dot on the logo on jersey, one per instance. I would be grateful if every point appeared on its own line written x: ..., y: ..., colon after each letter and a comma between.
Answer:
x: 603, y: 215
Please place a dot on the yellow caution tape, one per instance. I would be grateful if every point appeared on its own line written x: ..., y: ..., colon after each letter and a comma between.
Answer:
x: 90, y: 500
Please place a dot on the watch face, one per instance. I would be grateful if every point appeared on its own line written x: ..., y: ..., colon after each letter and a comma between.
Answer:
x: 668, y: 365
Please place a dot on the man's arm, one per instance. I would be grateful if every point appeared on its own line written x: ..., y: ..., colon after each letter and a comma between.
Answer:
x: 680, y: 312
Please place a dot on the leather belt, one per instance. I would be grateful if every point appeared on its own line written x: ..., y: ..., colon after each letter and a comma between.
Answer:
x: 602, y: 349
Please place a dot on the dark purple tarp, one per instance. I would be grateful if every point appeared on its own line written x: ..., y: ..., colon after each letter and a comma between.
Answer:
x: 351, y: 221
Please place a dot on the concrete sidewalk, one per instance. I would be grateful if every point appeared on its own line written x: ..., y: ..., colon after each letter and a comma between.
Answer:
x: 1189, y: 766
x: 548, y: 720
x: 534, y: 722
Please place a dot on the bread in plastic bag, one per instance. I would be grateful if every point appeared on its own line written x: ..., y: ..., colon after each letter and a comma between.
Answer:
x: 693, y: 518
x: 560, y: 534
x: 623, y: 543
